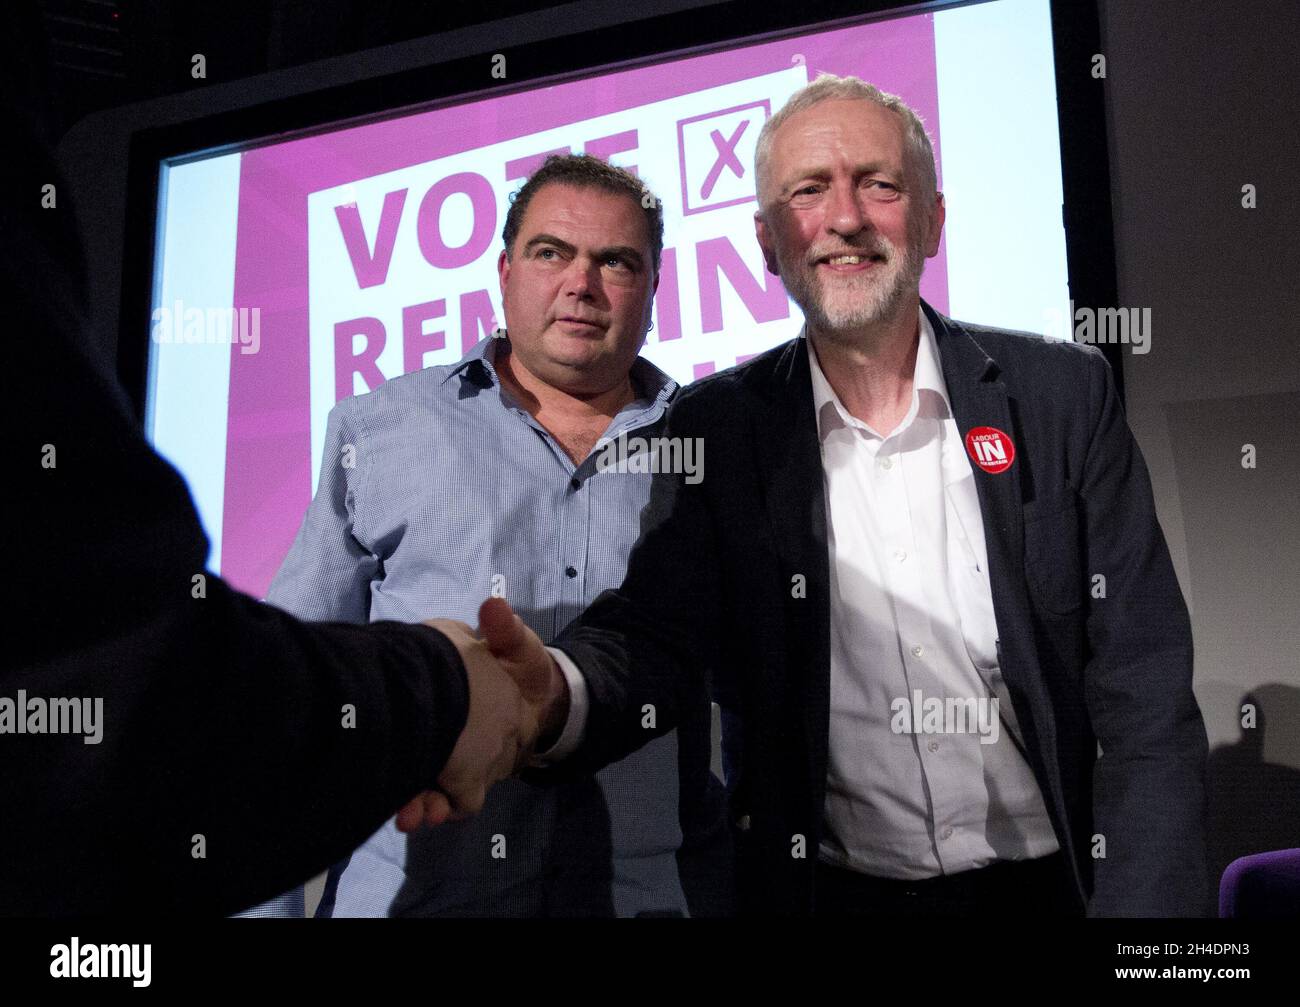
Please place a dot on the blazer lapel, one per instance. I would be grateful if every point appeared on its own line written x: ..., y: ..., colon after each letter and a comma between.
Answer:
x: 979, y: 399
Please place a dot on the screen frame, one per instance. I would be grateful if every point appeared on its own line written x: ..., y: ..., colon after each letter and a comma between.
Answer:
x: 1076, y: 38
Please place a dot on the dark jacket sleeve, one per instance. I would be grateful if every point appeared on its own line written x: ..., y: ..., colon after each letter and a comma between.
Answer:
x: 650, y: 643
x: 1148, y: 783
x: 706, y: 858
x: 227, y: 767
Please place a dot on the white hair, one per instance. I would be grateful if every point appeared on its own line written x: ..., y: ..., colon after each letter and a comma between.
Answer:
x: 828, y: 87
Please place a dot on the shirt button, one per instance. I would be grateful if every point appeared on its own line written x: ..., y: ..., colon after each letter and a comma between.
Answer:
x: 918, y: 651
x: 900, y: 555
x: 933, y: 746
x: 886, y: 463
x: 575, y: 483
x: 570, y: 572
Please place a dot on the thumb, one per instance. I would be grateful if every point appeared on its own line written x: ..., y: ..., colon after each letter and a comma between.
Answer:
x: 500, y: 628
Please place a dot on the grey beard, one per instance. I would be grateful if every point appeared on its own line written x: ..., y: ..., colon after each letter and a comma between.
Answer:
x: 879, y: 302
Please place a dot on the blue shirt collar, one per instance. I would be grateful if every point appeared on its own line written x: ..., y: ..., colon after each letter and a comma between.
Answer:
x: 653, y: 385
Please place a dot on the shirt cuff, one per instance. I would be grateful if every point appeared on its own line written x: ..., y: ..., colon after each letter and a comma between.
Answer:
x: 576, y: 725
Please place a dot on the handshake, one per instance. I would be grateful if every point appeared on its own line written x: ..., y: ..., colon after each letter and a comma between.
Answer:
x: 518, y: 704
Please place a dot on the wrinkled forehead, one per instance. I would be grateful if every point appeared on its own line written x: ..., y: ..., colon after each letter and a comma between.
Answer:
x: 856, y: 133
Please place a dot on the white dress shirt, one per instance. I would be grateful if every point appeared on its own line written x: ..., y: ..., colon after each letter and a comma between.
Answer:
x: 911, y: 615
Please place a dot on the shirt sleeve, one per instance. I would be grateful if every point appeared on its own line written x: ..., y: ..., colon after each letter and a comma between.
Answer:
x: 328, y: 570
x: 571, y: 737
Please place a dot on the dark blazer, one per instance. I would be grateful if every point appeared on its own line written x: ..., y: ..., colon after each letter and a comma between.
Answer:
x: 713, y: 588
x: 222, y: 717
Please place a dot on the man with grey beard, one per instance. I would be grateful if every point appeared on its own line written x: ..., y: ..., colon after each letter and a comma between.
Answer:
x: 905, y: 509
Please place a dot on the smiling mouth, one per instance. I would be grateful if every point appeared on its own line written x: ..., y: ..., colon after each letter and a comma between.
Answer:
x: 850, y: 262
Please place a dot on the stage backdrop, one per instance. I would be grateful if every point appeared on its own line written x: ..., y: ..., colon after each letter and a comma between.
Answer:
x: 293, y: 274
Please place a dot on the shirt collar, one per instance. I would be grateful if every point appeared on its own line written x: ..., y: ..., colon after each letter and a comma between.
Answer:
x: 480, y: 359
x: 926, y: 378
x: 652, y: 384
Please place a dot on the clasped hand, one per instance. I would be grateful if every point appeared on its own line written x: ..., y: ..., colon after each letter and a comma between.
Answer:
x: 518, y: 702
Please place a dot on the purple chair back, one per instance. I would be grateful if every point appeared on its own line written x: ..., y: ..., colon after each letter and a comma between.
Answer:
x: 1262, y: 886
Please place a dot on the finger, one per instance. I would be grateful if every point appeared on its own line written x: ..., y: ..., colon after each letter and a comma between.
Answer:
x: 437, y: 809
x: 469, y: 802
x: 428, y: 809
x: 500, y: 628
x: 411, y: 814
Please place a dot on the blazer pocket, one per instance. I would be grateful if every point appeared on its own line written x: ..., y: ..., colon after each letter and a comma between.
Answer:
x: 1053, y: 560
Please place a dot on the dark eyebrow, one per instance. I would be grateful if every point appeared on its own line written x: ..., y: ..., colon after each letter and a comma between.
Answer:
x: 616, y: 251
x: 549, y: 239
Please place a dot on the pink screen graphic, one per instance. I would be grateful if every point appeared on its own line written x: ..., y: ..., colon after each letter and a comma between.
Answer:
x: 268, y: 478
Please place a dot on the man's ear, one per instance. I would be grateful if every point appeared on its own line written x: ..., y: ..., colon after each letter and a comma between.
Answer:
x: 650, y: 303
x: 937, y: 216
x: 503, y: 270
x: 503, y: 274
x: 764, y: 235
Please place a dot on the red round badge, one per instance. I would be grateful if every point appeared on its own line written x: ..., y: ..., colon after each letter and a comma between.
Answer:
x: 990, y: 449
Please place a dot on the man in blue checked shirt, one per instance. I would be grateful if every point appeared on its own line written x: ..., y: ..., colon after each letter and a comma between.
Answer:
x: 485, y: 477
